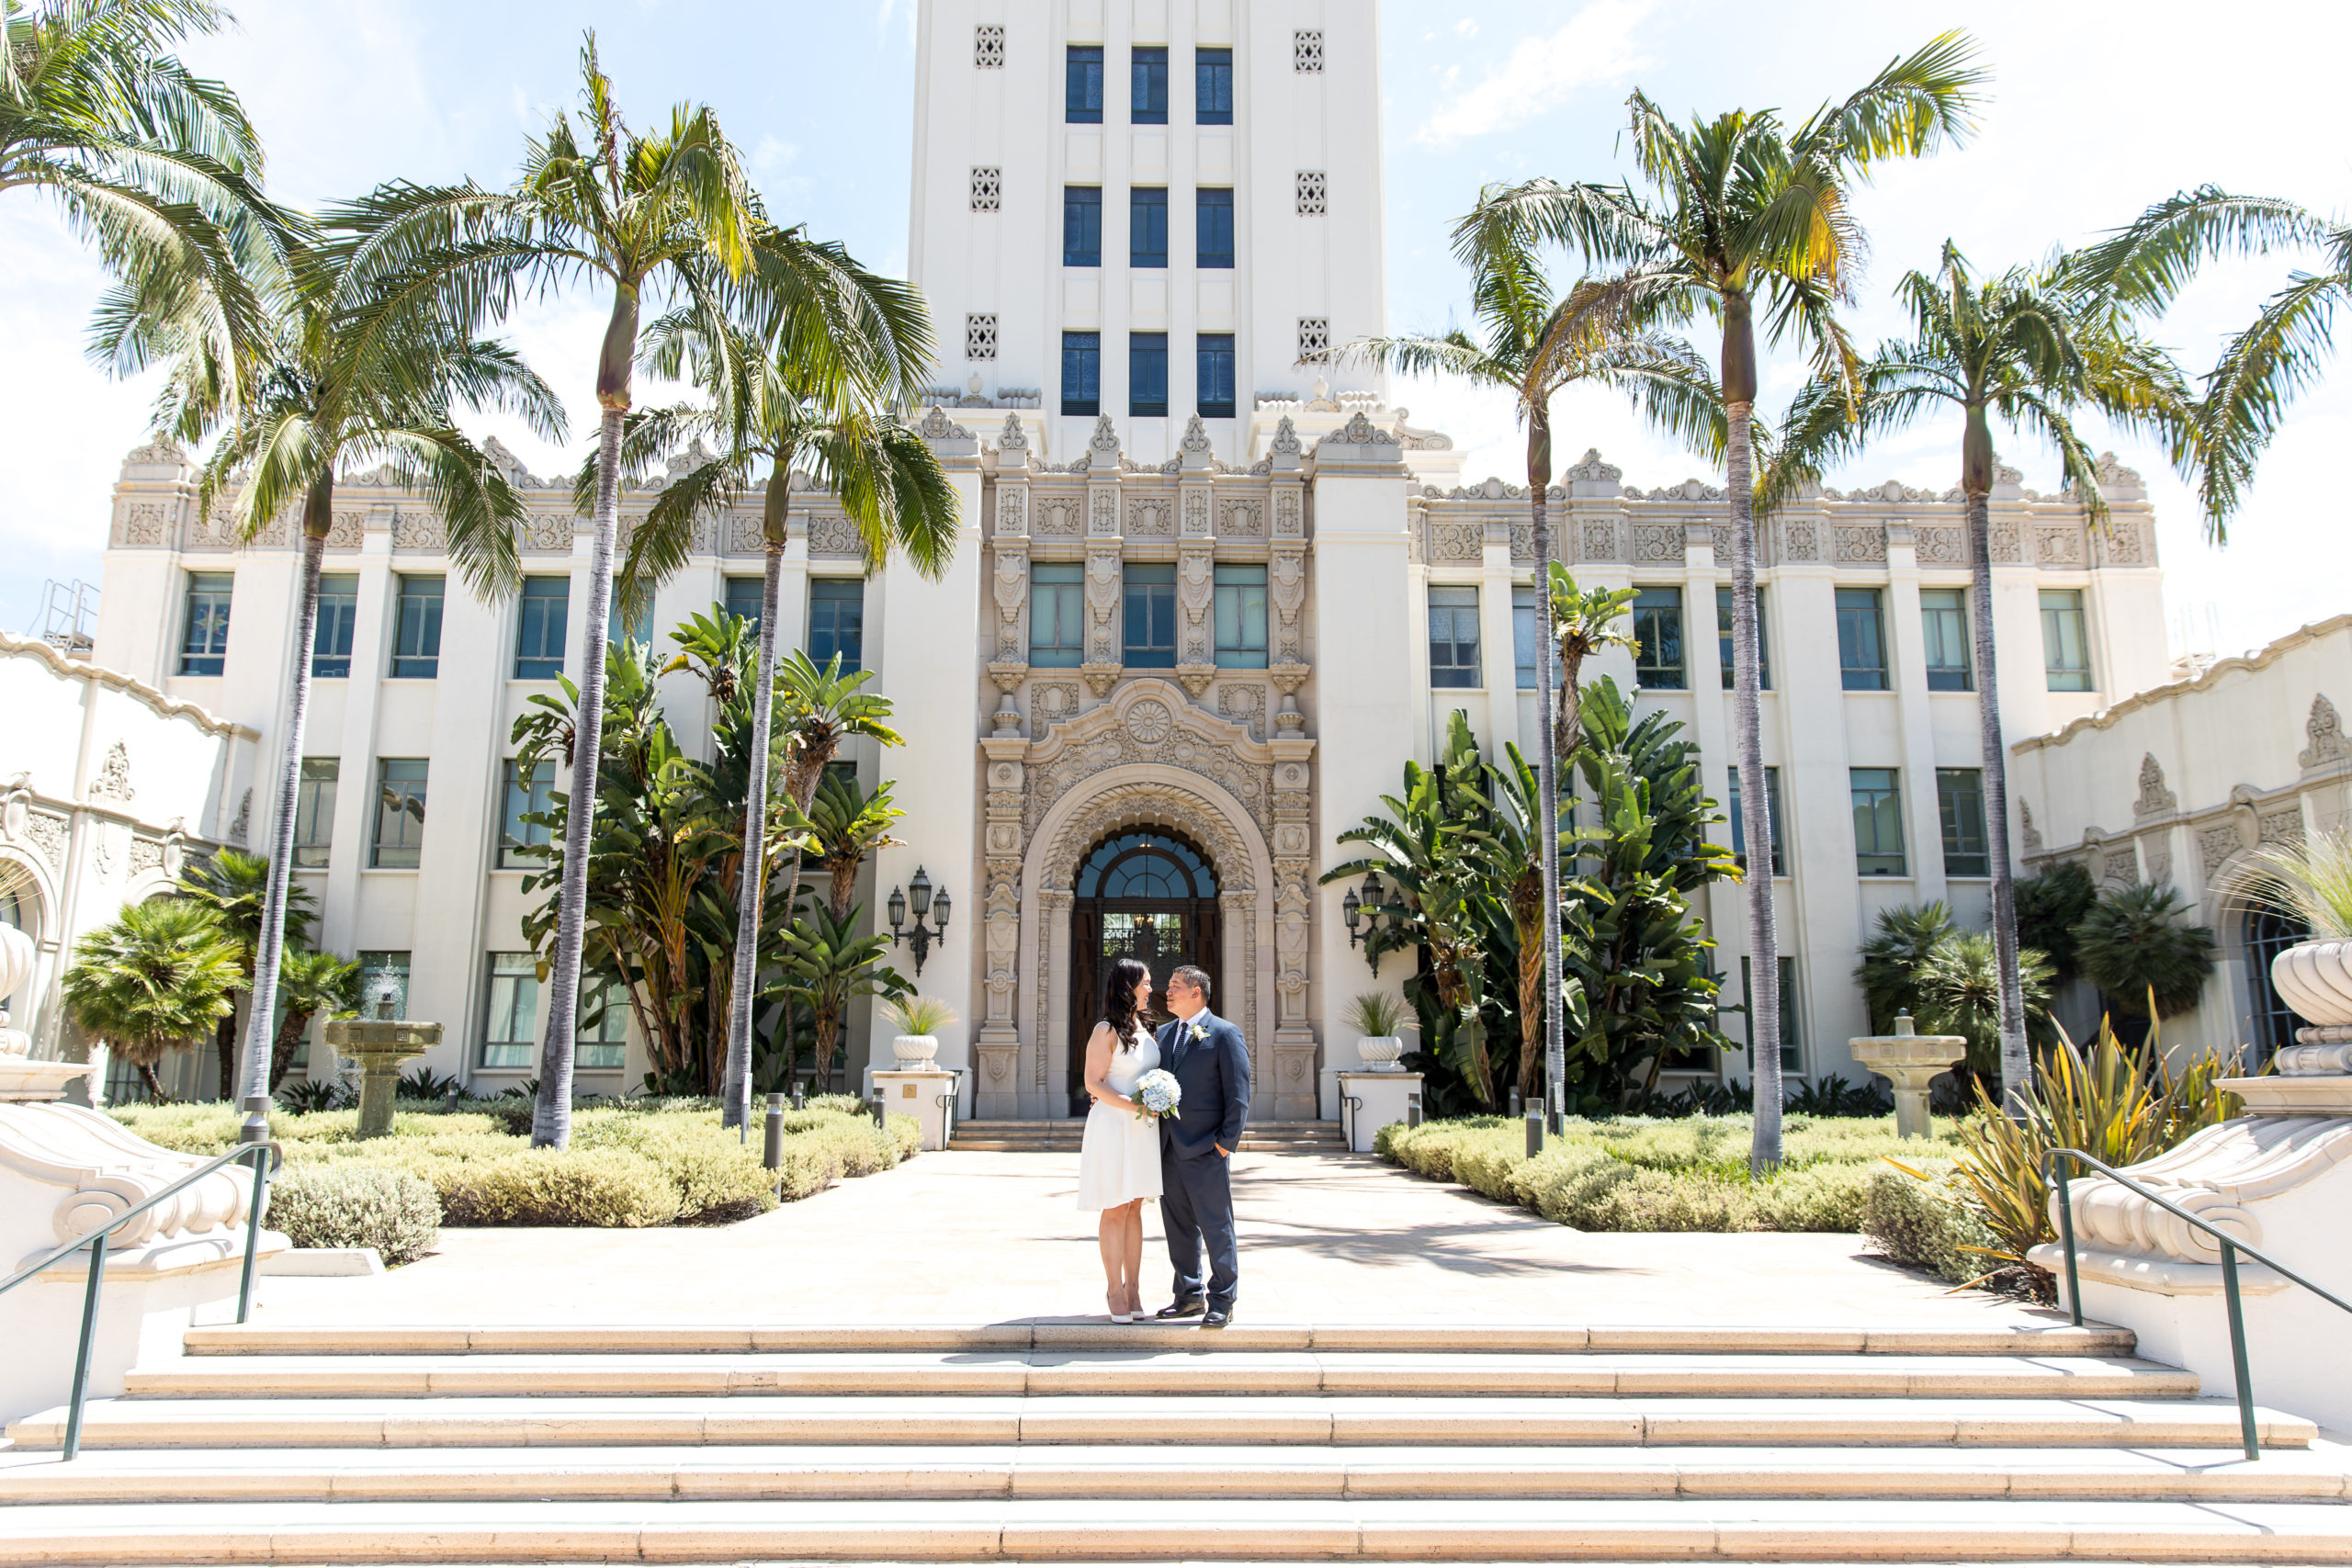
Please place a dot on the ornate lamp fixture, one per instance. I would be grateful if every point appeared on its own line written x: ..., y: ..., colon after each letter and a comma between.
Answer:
x: 1351, y: 909
x: 920, y: 937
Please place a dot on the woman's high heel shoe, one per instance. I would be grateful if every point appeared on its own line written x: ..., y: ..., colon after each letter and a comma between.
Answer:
x: 1116, y: 1316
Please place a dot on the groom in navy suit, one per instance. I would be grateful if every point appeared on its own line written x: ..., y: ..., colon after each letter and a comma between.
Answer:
x: 1211, y: 1065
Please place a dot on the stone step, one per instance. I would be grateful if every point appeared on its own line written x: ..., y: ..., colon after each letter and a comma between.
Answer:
x: 1194, y: 1371
x: 292, y: 1475
x: 910, y: 1530
x: 2053, y: 1338
x: 475, y: 1421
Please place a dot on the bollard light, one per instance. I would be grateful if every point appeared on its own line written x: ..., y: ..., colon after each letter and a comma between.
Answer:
x: 772, y: 1149
x: 1413, y: 1110
x: 1534, y: 1132
x: 799, y: 1095
x: 256, y: 1124
x: 1514, y: 1102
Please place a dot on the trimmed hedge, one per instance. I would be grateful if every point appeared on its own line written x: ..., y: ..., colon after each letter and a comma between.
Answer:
x: 1645, y: 1174
x: 356, y: 1205
x: 1924, y: 1225
x: 630, y: 1163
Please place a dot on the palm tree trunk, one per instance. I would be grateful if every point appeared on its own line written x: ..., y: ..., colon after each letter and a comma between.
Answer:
x: 2016, y: 1060
x: 1547, y: 779
x: 155, y: 1095
x: 318, y: 516
x: 551, y: 1115
x: 751, y: 896
x: 290, y: 1029
x: 1763, y: 946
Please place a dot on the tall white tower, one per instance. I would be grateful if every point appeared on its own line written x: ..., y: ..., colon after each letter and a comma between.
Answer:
x: 1147, y: 208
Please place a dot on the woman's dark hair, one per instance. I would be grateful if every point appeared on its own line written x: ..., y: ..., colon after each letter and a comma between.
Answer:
x: 1119, y: 999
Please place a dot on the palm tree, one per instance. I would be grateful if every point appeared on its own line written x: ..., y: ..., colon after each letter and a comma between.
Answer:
x: 815, y: 406
x: 341, y: 387
x: 1889, y: 972
x: 849, y: 824
x: 1535, y: 344
x: 2137, y: 950
x: 151, y: 980
x: 2145, y: 265
x: 156, y: 166
x: 1745, y: 211
x: 668, y: 210
x: 2022, y: 349
x: 235, y: 886
x: 308, y: 984
x: 1584, y: 621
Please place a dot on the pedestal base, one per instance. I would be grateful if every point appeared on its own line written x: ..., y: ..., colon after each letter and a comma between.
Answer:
x: 1369, y: 1102
x: 918, y: 1095
x: 996, y: 1081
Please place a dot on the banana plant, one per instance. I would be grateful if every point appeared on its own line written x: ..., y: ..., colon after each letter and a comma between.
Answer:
x: 827, y: 964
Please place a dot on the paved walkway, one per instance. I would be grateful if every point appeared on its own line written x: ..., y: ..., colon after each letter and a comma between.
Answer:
x: 983, y: 1236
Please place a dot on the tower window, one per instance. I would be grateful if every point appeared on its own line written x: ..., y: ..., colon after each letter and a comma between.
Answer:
x: 1212, y: 87
x: 1082, y: 226
x: 1148, y: 226
x: 1146, y: 375
x: 1313, y: 338
x: 1147, y: 69
x: 1082, y: 85
x: 1311, y: 187
x: 988, y: 188
x: 1213, y: 226
x: 1081, y: 372
x: 979, y: 337
x: 1213, y: 368
x: 1306, y: 51
x: 988, y: 47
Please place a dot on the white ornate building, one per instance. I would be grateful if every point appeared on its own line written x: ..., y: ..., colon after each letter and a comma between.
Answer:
x: 1187, y: 641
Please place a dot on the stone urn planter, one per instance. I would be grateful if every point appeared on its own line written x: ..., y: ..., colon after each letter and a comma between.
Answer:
x: 1380, y: 1053
x: 1910, y: 1062
x: 21, y: 1078
x: 380, y: 1045
x: 915, y: 1052
x: 2313, y: 1077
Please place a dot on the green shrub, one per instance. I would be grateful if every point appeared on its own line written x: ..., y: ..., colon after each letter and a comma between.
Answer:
x: 600, y: 1188
x: 717, y: 1177
x: 1485, y: 1165
x: 1922, y: 1224
x: 808, y: 1168
x: 907, y: 1133
x: 1812, y: 1198
x: 356, y: 1205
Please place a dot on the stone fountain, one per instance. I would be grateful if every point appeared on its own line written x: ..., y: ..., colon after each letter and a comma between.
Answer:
x: 1910, y: 1062
x: 381, y: 1044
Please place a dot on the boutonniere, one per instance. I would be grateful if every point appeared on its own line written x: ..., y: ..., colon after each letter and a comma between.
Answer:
x: 1200, y: 1033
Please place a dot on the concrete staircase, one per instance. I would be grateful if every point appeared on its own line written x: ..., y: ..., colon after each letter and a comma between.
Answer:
x: 1063, y: 1137
x: 1088, y: 1441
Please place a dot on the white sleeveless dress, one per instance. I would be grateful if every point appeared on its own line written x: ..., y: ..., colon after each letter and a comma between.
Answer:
x: 1118, y: 1161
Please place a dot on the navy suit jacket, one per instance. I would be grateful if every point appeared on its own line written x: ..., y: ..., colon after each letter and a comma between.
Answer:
x: 1214, y: 1077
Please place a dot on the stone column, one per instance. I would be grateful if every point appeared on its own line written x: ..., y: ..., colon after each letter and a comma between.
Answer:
x: 1195, y: 565
x: 996, y: 1087
x: 1294, y: 1097
x: 1105, y: 642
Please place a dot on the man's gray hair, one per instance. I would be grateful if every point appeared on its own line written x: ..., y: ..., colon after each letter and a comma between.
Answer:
x: 1196, y: 978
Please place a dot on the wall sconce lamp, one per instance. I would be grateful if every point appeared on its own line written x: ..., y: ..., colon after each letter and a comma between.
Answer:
x: 920, y: 937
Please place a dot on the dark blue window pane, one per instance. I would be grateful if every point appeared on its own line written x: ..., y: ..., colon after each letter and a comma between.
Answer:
x: 1147, y: 228
x: 205, y: 644
x: 538, y: 628
x: 338, y: 614
x: 1453, y: 637
x: 1214, y: 368
x: 1081, y: 372
x: 1146, y: 374
x: 1082, y: 90
x: 1212, y: 87
x: 837, y: 621
x: 745, y: 595
x: 416, y: 646
x: 1213, y: 218
x: 1151, y: 617
x: 1148, y: 72
x: 1083, y: 226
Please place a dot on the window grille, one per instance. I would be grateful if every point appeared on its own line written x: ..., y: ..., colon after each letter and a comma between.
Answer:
x: 1313, y: 338
x: 979, y: 337
x: 988, y: 184
x: 988, y: 47
x: 1310, y: 192
x: 1306, y: 51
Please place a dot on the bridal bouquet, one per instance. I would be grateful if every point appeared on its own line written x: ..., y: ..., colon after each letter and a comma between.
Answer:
x: 1157, y: 1093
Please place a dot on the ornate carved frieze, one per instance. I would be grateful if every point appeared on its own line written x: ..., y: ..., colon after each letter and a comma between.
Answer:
x: 2326, y: 732
x: 1453, y: 544
x: 2215, y: 846
x: 1597, y: 540
x: 1149, y: 721
x: 1151, y: 516
x: 144, y: 525
x: 1241, y: 518
x: 2154, y: 800
x: 2026, y: 831
x: 1245, y: 705
x: 47, y: 831
x: 1657, y: 542
x: 2281, y: 827
x: 1195, y: 633
x: 1061, y: 515
x: 2058, y: 544
x: 551, y: 531
x: 1011, y: 600
x: 416, y: 531
x: 831, y: 535
x: 1859, y: 544
x: 1937, y: 543
x: 113, y: 780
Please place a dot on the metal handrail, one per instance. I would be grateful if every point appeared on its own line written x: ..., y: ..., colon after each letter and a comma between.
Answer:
x: 97, y: 1242
x: 2231, y: 1247
x: 1350, y: 1112
x: 947, y: 1107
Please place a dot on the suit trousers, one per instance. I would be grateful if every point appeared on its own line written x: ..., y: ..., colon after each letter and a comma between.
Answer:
x: 1196, y: 1205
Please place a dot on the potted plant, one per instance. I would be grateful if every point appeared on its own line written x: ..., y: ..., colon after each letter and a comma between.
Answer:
x: 920, y: 1020
x: 2313, y: 881
x: 1375, y: 1015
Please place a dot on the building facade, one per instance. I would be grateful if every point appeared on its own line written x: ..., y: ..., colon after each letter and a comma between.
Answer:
x: 1205, y: 606
x: 2184, y: 785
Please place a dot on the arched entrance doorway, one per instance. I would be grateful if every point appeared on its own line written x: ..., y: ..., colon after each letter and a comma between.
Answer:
x: 2269, y: 933
x: 1146, y: 894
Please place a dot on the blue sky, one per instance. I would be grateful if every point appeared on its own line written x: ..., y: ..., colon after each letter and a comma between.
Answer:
x: 2097, y: 110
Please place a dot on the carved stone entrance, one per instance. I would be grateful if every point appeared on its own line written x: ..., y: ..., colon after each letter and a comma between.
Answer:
x: 1149, y: 895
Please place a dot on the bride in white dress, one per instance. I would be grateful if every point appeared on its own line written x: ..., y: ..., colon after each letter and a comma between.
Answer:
x: 1118, y: 1163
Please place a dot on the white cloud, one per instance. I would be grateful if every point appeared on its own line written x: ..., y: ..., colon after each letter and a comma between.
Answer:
x: 1467, y: 27
x: 1595, y: 46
